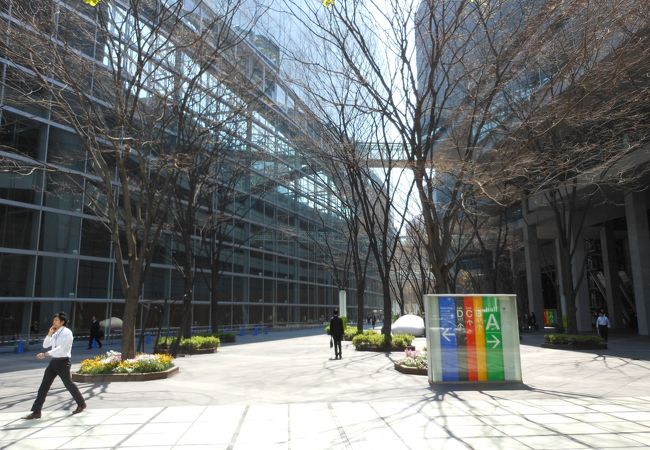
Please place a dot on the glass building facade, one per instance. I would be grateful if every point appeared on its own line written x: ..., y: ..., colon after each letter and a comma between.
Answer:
x: 56, y: 255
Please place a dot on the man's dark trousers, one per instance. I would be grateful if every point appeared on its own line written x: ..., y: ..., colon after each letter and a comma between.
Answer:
x: 337, y: 345
x: 60, y: 367
x: 602, y: 331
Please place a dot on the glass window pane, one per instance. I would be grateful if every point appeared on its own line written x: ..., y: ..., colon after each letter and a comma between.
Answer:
x: 60, y: 233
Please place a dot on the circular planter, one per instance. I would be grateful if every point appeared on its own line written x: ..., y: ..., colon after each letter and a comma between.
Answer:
x: 410, y: 370
x: 105, y: 377
x: 575, y: 346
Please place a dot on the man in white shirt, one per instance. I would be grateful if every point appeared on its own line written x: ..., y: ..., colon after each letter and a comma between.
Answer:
x: 60, y: 339
x: 602, y: 323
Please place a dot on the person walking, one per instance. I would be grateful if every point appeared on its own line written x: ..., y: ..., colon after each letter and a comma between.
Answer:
x: 602, y: 323
x: 60, y: 338
x: 336, y: 331
x: 95, y: 334
x: 374, y: 321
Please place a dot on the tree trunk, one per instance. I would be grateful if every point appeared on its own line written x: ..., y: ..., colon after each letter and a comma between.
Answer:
x: 568, y: 288
x: 360, y: 315
x: 129, y: 321
x: 388, y: 309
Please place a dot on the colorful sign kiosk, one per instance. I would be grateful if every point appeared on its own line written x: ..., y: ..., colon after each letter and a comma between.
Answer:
x: 472, y: 338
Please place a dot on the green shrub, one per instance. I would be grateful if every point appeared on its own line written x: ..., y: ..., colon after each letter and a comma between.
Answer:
x: 371, y: 339
x: 226, y: 338
x: 402, y: 340
x: 189, y: 344
x: 572, y: 339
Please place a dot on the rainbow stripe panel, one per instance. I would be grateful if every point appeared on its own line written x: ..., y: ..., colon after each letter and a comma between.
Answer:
x: 473, y: 338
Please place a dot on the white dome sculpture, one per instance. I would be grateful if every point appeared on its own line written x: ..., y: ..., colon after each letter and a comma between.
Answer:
x: 410, y: 324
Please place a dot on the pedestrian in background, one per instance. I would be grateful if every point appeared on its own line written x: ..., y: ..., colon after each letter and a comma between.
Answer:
x: 95, y: 334
x: 602, y: 323
x: 60, y: 338
x: 336, y: 331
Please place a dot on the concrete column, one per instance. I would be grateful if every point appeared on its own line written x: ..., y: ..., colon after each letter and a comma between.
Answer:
x: 610, y: 272
x: 583, y: 310
x: 343, y: 303
x: 636, y: 215
x: 533, y: 273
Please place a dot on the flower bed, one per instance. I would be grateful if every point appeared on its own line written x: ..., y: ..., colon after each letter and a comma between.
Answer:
x: 413, y: 364
x: 195, y: 345
x: 573, y: 341
x: 111, y: 367
x: 375, y: 342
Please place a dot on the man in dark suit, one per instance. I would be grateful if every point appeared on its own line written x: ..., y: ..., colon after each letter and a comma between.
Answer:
x: 336, y: 331
x: 95, y: 334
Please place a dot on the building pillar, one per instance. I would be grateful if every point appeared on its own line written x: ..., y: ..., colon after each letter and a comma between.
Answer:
x: 610, y: 273
x: 343, y: 303
x: 533, y: 273
x: 636, y: 215
x: 581, y: 285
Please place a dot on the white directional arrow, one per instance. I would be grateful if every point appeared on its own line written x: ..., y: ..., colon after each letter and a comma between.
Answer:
x: 494, y: 340
x: 445, y: 334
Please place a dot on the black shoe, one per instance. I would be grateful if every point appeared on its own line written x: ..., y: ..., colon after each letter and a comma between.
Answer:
x: 79, y: 409
x: 32, y: 416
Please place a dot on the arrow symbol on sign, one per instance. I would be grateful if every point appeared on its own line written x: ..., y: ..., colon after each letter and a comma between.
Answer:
x: 445, y: 334
x: 494, y: 340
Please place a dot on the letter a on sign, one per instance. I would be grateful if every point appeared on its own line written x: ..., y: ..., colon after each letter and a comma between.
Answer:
x: 492, y: 323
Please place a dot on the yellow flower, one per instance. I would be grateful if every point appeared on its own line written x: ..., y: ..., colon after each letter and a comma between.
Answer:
x: 92, y: 2
x: 328, y: 3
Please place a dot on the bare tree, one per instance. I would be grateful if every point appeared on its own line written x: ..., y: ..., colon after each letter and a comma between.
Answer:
x: 112, y: 74
x: 584, y: 133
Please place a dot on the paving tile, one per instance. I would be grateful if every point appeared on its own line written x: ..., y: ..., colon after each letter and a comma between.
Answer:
x: 549, y: 418
x: 66, y: 431
x: 607, y: 440
x: 453, y: 421
x: 208, y: 434
x: 611, y: 407
x: 528, y: 429
x: 436, y: 444
x: 257, y: 447
x: 201, y: 447
x: 565, y: 409
x: 623, y: 426
x: 316, y: 444
x: 150, y: 440
x: 592, y: 417
x: 643, y: 438
x: 550, y: 442
x: 503, y: 419
x: 19, y: 433
x: 98, y: 441
x: 220, y: 413
x: 495, y: 443
x: 574, y: 429
x: 473, y: 431
x: 39, y: 443
x: 635, y: 416
x: 107, y: 430
x: 179, y: 414
x: 374, y: 445
x: 177, y: 428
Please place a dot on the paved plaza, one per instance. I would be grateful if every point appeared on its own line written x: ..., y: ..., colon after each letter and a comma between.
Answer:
x: 283, y: 391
